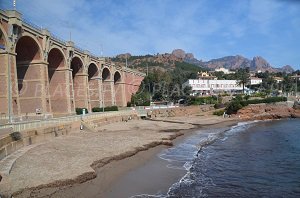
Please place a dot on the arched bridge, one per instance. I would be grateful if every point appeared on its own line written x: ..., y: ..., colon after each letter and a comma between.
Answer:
x: 40, y: 73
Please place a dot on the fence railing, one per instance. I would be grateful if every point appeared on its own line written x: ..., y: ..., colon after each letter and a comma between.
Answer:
x: 58, y: 39
x: 21, y: 126
x: 32, y: 25
x: 79, y: 49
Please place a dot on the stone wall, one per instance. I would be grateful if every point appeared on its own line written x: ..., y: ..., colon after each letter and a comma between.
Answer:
x: 180, y: 111
x: 8, y: 144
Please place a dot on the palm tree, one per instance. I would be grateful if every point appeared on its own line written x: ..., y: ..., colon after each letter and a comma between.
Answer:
x: 243, y: 77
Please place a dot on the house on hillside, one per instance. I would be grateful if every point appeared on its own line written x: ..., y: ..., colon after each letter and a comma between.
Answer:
x: 224, y: 70
x: 255, y: 81
x: 278, y: 79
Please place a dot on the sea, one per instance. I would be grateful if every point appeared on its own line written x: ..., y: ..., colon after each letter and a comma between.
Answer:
x: 250, y: 159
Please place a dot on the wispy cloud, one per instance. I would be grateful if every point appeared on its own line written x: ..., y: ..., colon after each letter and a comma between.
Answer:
x: 207, y: 28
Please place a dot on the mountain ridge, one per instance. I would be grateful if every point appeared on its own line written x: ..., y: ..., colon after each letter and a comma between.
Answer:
x: 168, y: 60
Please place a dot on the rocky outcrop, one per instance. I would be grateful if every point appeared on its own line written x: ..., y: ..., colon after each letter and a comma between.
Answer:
x: 167, y: 61
x: 296, y: 105
x: 179, y: 53
x: 287, y: 69
x: 259, y: 63
x: 124, y: 56
x: 229, y: 62
x: 267, y: 111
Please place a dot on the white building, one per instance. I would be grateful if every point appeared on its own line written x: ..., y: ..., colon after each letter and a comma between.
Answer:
x: 202, y: 86
x: 255, y: 81
x: 278, y: 79
x: 222, y: 69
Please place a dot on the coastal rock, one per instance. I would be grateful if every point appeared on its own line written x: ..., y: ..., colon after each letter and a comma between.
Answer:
x: 267, y: 111
x: 296, y: 106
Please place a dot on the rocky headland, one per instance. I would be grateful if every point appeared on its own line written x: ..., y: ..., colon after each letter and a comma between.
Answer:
x: 268, y: 111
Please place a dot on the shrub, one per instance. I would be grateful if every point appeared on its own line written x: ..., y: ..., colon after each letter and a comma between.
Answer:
x: 246, y: 97
x: 219, y: 112
x: 219, y: 105
x: 111, y: 108
x: 97, y: 109
x: 100, y: 109
x: 80, y: 110
x: 235, y: 105
x: 16, y: 136
x: 259, y: 94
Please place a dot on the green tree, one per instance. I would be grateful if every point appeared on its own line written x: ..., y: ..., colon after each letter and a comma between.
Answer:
x: 243, y: 77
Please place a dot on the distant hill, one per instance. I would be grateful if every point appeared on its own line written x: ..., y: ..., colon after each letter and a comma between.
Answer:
x: 168, y: 61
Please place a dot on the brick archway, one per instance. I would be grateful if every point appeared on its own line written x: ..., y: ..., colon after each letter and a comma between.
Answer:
x: 106, y: 75
x: 93, y: 84
x: 58, y: 82
x: 31, y: 76
x: 107, y: 87
x: 79, y: 83
x: 118, y: 89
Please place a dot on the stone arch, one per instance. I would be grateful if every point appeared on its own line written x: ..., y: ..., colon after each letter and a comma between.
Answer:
x: 117, y: 77
x: 93, y: 84
x: 76, y: 66
x: 29, y: 52
x: 118, y: 89
x: 31, y: 74
x: 106, y: 74
x: 93, y: 71
x: 79, y: 82
x: 107, y: 87
x: 56, y: 60
x: 58, y: 81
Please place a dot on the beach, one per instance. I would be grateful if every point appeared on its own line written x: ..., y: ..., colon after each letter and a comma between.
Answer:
x: 59, y: 164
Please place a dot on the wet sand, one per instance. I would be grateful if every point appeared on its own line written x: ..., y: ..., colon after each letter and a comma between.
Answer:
x: 153, y: 177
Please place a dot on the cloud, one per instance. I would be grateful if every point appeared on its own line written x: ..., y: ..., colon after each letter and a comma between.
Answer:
x: 208, y: 29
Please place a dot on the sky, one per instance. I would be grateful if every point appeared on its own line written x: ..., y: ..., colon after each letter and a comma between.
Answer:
x: 207, y: 28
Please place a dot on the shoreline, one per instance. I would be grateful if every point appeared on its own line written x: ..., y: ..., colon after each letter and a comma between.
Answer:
x: 91, y: 149
x: 109, y: 171
x: 168, y: 131
x: 165, y: 178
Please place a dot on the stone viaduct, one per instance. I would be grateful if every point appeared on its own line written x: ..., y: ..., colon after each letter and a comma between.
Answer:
x: 42, y: 74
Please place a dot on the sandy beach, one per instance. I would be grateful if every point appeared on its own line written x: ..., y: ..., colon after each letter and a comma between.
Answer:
x: 94, y: 161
